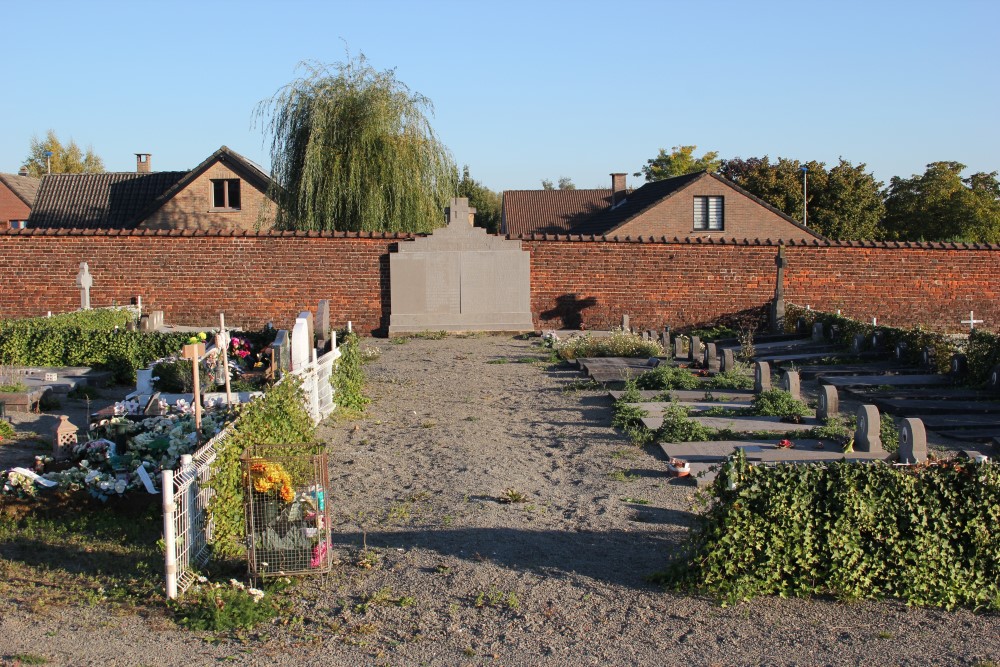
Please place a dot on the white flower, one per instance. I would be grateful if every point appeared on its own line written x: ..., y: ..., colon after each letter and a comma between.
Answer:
x: 202, y: 580
x: 256, y: 594
x: 237, y: 584
x: 120, y: 486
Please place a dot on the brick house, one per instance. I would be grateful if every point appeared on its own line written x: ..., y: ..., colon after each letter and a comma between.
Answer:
x: 17, y: 196
x: 699, y: 205
x: 226, y: 192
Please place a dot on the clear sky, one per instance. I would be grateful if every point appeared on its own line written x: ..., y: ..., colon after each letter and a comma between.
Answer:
x: 523, y: 90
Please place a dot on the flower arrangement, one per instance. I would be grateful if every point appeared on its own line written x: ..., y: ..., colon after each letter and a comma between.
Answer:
x: 268, y: 476
x: 239, y: 347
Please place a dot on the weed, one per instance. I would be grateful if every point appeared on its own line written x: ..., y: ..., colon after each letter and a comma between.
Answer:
x: 619, y: 344
x: 889, y: 433
x: 622, y: 476
x: 83, y: 391
x: 469, y: 651
x: 884, y: 635
x: 740, y: 377
x: 430, y: 423
x: 223, y: 607
x: 28, y: 659
x: 678, y: 427
x: 624, y: 454
x: 667, y: 377
x: 497, y: 599
x: 430, y: 335
x: 471, y: 418
x: 512, y: 495
x: 399, y: 340
x: 635, y: 501
x: 582, y: 385
x: 777, y: 403
x: 500, y: 360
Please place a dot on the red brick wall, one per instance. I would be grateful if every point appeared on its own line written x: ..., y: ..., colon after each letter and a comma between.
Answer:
x: 11, y: 207
x: 271, y: 277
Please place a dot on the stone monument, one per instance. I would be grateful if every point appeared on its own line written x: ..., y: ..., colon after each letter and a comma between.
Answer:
x: 460, y: 279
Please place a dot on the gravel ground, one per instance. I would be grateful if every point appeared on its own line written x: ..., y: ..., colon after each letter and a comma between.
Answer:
x: 458, y: 577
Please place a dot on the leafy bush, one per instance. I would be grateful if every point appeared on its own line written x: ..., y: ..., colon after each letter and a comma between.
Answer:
x: 220, y: 607
x: 921, y: 534
x: 348, y: 376
x: 777, y: 403
x: 619, y: 344
x: 176, y: 377
x: 678, y: 427
x: 740, y: 377
x: 982, y: 354
x: 278, y: 417
x: 889, y: 433
x: 6, y: 430
x: 667, y: 377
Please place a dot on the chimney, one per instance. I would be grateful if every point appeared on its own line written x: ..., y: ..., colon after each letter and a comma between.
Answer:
x: 617, y: 188
x: 23, y: 171
x: 142, y: 163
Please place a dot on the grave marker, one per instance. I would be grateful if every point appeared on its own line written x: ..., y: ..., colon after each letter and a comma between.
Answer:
x: 694, y: 349
x: 282, y: 353
x: 972, y: 321
x: 828, y: 403
x: 310, y: 329
x: 959, y: 363
x: 679, y: 347
x: 912, y: 441
x: 868, y: 434
x: 817, y: 333
x: 761, y: 377
x: 790, y: 383
x: 84, y: 281
x: 194, y: 352
x: 323, y: 324
x: 625, y: 323
x: 857, y: 343
x: 665, y: 339
x: 728, y: 360
x: 900, y: 350
x: 711, y: 357
x: 301, y: 345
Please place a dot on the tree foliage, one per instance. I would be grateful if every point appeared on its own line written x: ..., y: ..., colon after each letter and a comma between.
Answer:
x: 65, y: 159
x: 565, y: 183
x: 844, y: 202
x: 679, y: 161
x: 940, y: 205
x: 486, y: 202
x: 353, y: 150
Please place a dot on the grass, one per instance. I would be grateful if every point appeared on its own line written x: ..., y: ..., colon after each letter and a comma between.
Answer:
x: 497, y: 599
x: 622, y: 476
x: 27, y: 659
x: 13, y: 388
x: 512, y: 495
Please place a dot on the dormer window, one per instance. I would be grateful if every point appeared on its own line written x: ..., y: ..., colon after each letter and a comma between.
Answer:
x: 226, y: 194
x: 708, y: 213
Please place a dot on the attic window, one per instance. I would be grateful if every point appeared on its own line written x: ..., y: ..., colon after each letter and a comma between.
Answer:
x: 708, y: 213
x: 226, y: 194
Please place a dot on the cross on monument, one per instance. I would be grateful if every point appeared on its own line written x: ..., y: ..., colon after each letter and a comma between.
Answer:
x: 84, y: 281
x: 459, y: 212
x: 972, y: 321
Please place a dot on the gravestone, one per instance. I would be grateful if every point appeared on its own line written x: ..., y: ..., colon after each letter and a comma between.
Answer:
x: 679, y: 347
x: 301, y: 344
x: 778, y: 302
x: 84, y: 281
x: 790, y: 383
x: 834, y: 332
x: 761, y: 377
x: 728, y: 360
x: 694, y: 349
x: 828, y: 402
x: 460, y: 279
x: 144, y: 382
x: 282, y: 352
x: 900, y: 350
x: 927, y: 356
x: 801, y: 326
x: 152, y: 321
x: 817, y: 334
x: 323, y: 321
x: 310, y: 330
x: 625, y: 323
x: 711, y: 357
x: 857, y: 343
x: 912, y: 441
x: 868, y: 434
x: 645, y: 336
x: 959, y: 364
x: 994, y: 381
x: 665, y: 340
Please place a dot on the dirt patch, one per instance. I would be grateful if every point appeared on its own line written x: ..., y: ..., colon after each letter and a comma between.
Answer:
x: 488, y: 514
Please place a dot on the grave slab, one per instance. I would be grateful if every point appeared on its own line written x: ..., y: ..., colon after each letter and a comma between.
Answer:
x: 763, y: 451
x: 656, y: 408
x: 742, y: 396
x: 899, y: 406
x: 740, y: 424
x: 884, y: 380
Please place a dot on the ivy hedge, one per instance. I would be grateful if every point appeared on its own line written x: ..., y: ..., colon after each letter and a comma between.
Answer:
x: 96, y: 338
x: 982, y: 354
x: 279, y: 417
x: 924, y: 535
x: 916, y: 339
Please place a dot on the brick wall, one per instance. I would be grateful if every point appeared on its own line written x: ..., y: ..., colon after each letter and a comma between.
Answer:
x: 256, y: 278
x: 11, y: 207
x: 743, y: 218
x: 191, y: 208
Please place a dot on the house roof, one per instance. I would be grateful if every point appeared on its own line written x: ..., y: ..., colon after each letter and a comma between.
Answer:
x: 528, y: 212
x: 123, y: 200
x: 24, y: 187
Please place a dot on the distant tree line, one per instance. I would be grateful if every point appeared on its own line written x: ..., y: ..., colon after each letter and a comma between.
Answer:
x: 847, y: 202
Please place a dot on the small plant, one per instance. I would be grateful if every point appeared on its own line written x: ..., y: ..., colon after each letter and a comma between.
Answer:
x: 348, y: 377
x: 667, y: 377
x: 500, y: 360
x: 512, y: 495
x: 28, y: 659
x: 777, y: 403
x: 622, y: 476
x: 83, y: 391
x: 619, y: 344
x: 6, y: 430
x: 889, y: 433
x: 222, y: 607
x: 678, y: 427
x: 740, y: 377
x: 497, y: 598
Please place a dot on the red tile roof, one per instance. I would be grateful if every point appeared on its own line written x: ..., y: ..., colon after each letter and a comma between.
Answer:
x: 550, y: 211
x: 24, y: 187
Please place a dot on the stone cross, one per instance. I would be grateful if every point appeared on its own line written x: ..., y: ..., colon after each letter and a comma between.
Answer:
x: 84, y: 281
x: 972, y: 321
x: 459, y: 213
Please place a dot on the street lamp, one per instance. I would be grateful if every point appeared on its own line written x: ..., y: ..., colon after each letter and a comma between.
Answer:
x: 48, y: 162
x: 805, y: 172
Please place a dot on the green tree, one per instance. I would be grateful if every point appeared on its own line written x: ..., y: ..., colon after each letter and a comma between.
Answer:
x: 679, y: 161
x: 565, y: 183
x: 940, y: 205
x: 68, y: 159
x: 547, y: 184
x: 486, y: 202
x: 844, y: 202
x: 353, y: 150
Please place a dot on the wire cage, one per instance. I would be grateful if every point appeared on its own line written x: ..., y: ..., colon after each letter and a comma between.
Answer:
x: 285, y: 497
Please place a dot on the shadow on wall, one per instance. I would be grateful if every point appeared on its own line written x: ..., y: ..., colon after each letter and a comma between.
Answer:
x: 569, y: 310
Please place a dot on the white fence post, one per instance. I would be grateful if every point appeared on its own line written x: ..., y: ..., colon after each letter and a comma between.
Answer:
x: 169, y: 537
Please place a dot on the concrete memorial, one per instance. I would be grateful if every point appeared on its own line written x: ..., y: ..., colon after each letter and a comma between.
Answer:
x: 868, y: 435
x: 761, y: 377
x: 84, y: 281
x: 460, y: 279
x: 282, y: 353
x: 828, y: 403
x: 323, y: 324
x: 694, y: 349
x: 790, y: 383
x: 912, y: 441
x: 301, y: 344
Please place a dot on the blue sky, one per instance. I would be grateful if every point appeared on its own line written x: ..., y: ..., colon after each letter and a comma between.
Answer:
x: 524, y: 90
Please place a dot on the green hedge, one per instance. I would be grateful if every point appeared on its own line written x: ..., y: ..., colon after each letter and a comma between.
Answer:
x: 96, y: 338
x: 925, y: 535
x: 982, y: 354
x: 916, y: 339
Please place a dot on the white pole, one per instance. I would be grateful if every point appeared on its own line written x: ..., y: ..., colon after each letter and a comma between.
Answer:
x: 169, y: 534
x: 224, y: 344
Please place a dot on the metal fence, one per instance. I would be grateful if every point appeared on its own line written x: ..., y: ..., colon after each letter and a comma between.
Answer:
x: 187, y: 524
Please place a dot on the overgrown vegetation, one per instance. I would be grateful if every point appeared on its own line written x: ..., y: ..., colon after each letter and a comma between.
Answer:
x: 628, y: 417
x: 96, y: 338
x: 678, y: 427
x: 348, y: 376
x: 777, y: 403
x: 921, y: 534
x: 982, y: 355
x: 667, y: 377
x: 740, y: 377
x: 6, y: 430
x: 618, y: 344
x: 279, y: 417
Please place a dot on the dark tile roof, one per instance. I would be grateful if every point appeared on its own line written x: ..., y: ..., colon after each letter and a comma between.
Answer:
x: 98, y: 201
x: 634, y: 203
x: 25, y: 187
x: 550, y: 211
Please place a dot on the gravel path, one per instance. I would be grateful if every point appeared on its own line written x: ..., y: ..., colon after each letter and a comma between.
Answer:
x: 454, y: 576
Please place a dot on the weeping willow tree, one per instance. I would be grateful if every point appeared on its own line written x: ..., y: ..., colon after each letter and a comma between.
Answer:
x: 353, y: 150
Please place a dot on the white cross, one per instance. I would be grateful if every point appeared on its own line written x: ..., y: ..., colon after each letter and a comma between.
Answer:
x: 972, y: 321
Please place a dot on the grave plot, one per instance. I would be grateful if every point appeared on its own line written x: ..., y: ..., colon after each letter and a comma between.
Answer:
x: 742, y: 424
x: 871, y: 381
x: 22, y: 388
x: 610, y: 370
x: 683, y: 395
